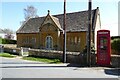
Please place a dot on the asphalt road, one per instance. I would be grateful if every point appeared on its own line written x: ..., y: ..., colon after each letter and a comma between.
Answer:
x: 17, y: 68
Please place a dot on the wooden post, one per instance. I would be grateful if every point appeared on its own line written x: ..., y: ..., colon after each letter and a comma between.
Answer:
x: 64, y: 33
x: 89, y: 33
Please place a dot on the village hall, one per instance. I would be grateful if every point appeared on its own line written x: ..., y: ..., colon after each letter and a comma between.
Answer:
x: 46, y: 32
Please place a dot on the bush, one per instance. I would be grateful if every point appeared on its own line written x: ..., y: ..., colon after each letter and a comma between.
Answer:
x: 0, y: 40
x: 115, y: 45
x: 7, y: 41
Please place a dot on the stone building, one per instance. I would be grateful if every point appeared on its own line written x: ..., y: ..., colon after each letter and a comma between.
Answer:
x: 47, y: 32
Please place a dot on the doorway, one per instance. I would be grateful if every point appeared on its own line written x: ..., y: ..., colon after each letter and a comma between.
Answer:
x: 49, y: 42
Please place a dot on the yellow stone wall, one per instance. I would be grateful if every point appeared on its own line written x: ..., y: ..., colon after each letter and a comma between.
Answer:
x: 26, y: 40
x: 75, y: 41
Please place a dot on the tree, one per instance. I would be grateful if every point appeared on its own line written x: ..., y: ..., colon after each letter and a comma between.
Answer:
x: 9, y: 36
x: 8, y: 33
x: 30, y: 12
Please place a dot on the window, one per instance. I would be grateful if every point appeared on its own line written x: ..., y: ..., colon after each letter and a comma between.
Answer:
x: 33, y: 40
x: 49, y: 42
x: 72, y: 40
x: 68, y: 40
x: 78, y: 39
x: 75, y: 40
x: 25, y: 40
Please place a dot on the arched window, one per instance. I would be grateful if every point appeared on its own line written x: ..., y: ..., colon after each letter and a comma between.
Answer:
x: 49, y: 42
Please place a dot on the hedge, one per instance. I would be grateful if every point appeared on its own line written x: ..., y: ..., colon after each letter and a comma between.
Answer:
x: 0, y: 40
x: 7, y: 41
x: 115, y: 45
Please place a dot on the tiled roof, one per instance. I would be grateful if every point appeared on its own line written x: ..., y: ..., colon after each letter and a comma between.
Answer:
x: 76, y: 21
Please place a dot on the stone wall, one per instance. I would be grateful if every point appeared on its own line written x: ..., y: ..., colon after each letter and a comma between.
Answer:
x: 115, y: 60
x: 72, y: 57
x: 15, y: 51
x: 45, y: 53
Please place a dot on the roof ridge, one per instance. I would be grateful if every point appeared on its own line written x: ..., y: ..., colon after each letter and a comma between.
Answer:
x: 74, y: 12
x: 62, y: 14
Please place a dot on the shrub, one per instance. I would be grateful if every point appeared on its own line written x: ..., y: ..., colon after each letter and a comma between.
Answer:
x: 0, y: 40
x: 7, y: 41
x: 115, y: 45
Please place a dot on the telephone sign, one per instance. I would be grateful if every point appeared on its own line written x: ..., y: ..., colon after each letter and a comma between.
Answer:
x: 103, y: 47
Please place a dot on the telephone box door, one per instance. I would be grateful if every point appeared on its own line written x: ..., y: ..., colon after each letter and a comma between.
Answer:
x: 103, y: 47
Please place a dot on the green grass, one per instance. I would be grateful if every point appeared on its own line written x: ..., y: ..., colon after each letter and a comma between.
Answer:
x: 7, y: 55
x: 42, y: 60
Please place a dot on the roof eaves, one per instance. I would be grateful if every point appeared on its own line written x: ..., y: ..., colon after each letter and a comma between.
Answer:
x: 22, y: 26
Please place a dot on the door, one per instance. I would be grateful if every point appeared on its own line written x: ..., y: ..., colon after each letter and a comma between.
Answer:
x: 48, y: 42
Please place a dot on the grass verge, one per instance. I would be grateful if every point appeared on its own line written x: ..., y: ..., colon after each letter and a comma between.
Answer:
x: 7, y: 55
x: 42, y: 60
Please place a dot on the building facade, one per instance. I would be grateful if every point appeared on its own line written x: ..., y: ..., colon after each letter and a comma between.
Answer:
x: 47, y: 32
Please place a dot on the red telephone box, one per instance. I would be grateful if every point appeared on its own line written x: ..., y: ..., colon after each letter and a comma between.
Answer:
x: 103, y: 47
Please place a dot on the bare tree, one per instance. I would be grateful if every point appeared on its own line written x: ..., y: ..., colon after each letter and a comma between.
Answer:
x: 8, y: 31
x: 30, y: 12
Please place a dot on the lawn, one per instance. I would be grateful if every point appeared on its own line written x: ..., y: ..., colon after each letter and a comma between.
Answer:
x: 42, y: 60
x: 7, y: 55
x: 46, y: 60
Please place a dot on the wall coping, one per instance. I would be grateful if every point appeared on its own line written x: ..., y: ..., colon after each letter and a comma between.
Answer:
x: 115, y: 55
x: 53, y: 51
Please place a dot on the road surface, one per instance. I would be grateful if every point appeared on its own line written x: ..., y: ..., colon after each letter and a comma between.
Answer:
x: 17, y: 68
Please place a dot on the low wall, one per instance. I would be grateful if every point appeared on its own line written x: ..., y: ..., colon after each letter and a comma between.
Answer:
x: 44, y: 53
x: 15, y: 51
x: 53, y: 54
x: 115, y: 60
x: 72, y: 57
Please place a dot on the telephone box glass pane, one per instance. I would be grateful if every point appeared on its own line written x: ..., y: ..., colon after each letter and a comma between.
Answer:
x: 103, y: 43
